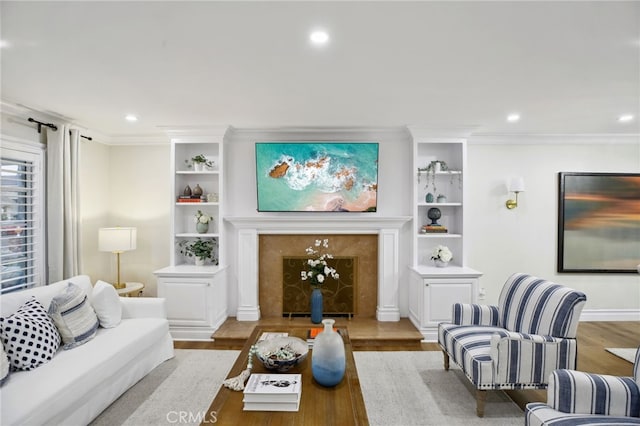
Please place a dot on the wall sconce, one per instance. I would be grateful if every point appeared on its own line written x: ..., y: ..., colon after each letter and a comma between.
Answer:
x: 117, y: 240
x: 516, y: 185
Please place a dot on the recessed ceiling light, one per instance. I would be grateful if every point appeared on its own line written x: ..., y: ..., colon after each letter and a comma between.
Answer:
x: 625, y: 118
x: 130, y: 117
x: 319, y: 37
x: 512, y: 118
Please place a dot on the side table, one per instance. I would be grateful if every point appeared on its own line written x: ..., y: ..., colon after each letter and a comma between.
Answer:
x: 130, y: 290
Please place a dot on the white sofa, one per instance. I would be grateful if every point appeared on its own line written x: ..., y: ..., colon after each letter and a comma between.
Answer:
x: 79, y: 383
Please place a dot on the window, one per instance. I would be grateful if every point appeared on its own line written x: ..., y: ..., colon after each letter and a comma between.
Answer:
x: 21, y: 216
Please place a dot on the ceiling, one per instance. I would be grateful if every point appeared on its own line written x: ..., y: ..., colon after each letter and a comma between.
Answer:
x: 566, y: 67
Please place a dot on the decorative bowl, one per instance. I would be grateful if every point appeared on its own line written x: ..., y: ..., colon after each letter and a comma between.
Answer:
x: 281, y: 353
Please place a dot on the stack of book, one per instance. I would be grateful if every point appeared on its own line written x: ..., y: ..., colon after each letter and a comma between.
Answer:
x: 434, y: 229
x: 189, y: 199
x: 273, y: 392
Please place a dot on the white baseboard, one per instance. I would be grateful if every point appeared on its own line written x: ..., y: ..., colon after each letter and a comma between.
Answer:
x: 610, y: 315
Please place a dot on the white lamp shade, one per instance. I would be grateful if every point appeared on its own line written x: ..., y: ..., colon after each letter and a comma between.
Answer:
x: 516, y: 184
x: 117, y: 239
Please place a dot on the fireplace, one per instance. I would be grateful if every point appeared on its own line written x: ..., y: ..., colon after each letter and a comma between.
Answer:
x: 259, y: 293
x: 274, y: 248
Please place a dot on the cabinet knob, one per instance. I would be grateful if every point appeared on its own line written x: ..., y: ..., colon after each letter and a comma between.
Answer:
x: 426, y: 285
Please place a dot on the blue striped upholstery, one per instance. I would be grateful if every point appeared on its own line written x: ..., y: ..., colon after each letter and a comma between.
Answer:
x: 533, y: 305
x: 579, y: 398
x: 472, y: 314
x: 521, y: 341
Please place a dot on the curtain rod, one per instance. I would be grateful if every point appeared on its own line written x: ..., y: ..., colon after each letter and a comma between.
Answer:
x: 40, y: 124
x: 89, y: 138
x: 53, y: 127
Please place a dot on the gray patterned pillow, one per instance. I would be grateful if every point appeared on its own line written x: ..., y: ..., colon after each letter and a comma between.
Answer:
x: 74, y: 317
x: 29, y: 336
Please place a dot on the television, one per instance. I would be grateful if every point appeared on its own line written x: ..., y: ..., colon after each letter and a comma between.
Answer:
x: 317, y: 176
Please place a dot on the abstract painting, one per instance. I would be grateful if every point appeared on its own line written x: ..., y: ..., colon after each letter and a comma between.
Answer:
x: 599, y: 222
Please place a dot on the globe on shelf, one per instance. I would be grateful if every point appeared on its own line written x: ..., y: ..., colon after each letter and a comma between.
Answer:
x: 434, y: 214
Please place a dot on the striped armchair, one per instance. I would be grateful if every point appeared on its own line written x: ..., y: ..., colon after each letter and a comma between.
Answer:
x: 520, y: 342
x: 578, y: 398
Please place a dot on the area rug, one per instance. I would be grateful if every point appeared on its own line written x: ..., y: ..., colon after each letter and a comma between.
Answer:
x: 178, y: 391
x: 399, y: 389
x: 628, y: 354
x: 412, y: 388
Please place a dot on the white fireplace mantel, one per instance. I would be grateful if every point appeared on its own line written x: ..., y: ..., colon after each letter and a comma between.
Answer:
x: 249, y: 227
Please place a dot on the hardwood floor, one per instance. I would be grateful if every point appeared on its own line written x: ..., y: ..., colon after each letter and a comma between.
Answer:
x: 369, y: 334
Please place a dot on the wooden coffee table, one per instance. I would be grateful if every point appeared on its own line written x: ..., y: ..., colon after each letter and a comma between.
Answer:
x: 339, y: 405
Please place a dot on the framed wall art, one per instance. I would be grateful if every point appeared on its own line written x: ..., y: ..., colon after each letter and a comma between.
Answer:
x: 317, y: 176
x: 599, y: 222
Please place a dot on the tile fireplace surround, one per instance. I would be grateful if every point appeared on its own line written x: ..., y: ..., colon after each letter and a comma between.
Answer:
x: 248, y: 243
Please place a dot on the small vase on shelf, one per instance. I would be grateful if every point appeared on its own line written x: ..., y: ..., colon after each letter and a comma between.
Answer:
x: 441, y: 263
x: 328, y: 357
x: 316, y: 306
x: 199, y: 261
x: 202, y: 228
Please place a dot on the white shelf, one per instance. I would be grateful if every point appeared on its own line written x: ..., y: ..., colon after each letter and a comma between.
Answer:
x: 438, y: 235
x: 197, y: 204
x: 422, y: 204
x: 191, y: 172
x: 197, y: 235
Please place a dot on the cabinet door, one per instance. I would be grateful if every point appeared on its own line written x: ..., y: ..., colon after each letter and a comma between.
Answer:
x: 188, y: 300
x: 440, y: 295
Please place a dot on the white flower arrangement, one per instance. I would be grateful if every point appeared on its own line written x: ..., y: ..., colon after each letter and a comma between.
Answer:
x: 442, y: 253
x: 202, y: 217
x: 319, y: 270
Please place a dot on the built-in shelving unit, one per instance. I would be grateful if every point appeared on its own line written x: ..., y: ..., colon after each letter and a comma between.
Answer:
x: 195, y: 295
x: 434, y: 289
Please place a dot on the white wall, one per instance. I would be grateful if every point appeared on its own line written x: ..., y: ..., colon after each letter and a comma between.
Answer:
x: 524, y: 239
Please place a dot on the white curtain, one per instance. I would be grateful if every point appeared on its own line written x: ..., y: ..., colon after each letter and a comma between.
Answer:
x: 63, y: 230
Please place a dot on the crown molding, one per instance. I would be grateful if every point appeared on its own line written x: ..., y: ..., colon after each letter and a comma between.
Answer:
x: 554, y: 139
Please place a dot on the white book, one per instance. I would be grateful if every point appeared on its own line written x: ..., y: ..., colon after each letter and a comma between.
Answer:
x: 272, y: 406
x: 273, y: 388
x: 271, y: 335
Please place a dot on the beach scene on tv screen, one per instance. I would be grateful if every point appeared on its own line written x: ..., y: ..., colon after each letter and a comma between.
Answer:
x: 317, y: 176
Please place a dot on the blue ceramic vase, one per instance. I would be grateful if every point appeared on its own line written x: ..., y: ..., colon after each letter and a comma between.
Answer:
x: 316, y: 306
x: 327, y: 356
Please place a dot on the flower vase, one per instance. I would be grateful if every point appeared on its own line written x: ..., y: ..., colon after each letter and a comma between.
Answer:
x: 441, y: 263
x: 328, y: 357
x: 202, y: 228
x: 316, y: 306
x: 199, y: 261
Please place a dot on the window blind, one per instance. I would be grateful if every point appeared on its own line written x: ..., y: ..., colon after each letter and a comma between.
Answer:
x: 20, y: 218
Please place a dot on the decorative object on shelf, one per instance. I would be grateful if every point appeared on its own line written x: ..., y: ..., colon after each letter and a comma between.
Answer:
x: 428, y: 198
x: 117, y: 240
x: 328, y: 361
x: 442, y: 198
x: 200, y: 249
x: 434, y: 214
x: 441, y: 256
x: 200, y: 163
x: 212, y: 198
x: 202, y: 222
x: 187, y: 191
x: 281, y: 354
x: 516, y: 185
x: 197, y: 191
x: 435, y: 166
x: 318, y: 272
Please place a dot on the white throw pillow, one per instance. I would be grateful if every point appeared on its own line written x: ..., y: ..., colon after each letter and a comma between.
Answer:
x: 106, y: 303
x: 74, y: 317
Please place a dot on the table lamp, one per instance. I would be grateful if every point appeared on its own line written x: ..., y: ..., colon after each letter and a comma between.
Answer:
x: 117, y: 240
